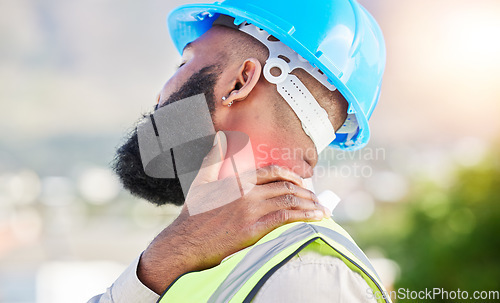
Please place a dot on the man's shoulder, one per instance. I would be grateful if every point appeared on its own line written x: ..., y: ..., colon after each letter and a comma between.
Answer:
x: 310, y: 275
x: 321, y: 263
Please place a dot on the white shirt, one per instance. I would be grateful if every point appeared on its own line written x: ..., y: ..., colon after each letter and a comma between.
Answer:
x: 307, y: 277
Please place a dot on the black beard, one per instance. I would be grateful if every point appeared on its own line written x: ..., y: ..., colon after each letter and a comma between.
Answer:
x: 127, y: 163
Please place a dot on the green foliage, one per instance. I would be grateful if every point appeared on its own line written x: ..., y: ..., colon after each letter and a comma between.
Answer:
x: 444, y: 237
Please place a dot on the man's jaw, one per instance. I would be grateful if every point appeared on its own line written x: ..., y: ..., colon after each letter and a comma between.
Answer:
x: 298, y: 166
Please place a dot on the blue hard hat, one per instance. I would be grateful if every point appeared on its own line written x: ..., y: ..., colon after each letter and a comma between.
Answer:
x: 337, y: 36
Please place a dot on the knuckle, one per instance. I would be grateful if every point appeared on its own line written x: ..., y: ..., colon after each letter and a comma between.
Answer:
x: 265, y: 172
x: 254, y: 211
x: 308, y: 214
x: 246, y: 223
x: 253, y: 231
x: 290, y: 187
x: 275, y: 169
x: 282, y: 216
x: 290, y: 201
x: 260, y: 172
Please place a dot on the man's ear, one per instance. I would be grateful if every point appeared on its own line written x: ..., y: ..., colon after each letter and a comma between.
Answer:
x: 248, y: 75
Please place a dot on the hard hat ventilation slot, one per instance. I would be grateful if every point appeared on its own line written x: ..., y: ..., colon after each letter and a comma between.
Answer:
x: 272, y: 38
x: 284, y: 58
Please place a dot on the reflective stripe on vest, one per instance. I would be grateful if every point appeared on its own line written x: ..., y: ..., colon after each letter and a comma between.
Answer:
x: 238, y: 278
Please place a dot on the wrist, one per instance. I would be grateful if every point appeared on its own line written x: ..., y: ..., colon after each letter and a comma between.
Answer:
x: 158, y: 271
x: 165, y: 259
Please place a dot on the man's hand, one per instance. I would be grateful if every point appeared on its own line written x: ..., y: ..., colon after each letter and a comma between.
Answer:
x: 200, y: 241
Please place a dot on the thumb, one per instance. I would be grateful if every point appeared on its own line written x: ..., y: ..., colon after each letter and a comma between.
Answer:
x: 212, y: 163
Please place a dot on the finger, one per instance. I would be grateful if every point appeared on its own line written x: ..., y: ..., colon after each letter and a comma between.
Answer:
x: 285, y: 216
x: 212, y: 163
x: 271, y: 173
x: 293, y: 202
x: 275, y: 189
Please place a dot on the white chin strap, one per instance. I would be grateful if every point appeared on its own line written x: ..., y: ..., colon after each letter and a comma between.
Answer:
x: 277, y: 70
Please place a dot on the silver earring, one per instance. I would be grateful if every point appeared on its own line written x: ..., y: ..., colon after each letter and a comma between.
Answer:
x: 224, y: 99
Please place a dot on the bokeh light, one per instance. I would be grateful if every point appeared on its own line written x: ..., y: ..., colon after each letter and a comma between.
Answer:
x: 99, y: 185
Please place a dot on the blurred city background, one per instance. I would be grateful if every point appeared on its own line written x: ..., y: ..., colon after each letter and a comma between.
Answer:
x: 422, y: 200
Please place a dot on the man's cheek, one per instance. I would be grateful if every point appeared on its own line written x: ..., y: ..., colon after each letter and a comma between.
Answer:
x: 173, y: 85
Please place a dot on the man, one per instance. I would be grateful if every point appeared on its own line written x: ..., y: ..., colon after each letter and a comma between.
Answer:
x: 289, y: 76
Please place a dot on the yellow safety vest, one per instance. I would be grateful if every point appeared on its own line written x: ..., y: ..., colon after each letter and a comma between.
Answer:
x: 239, y: 277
